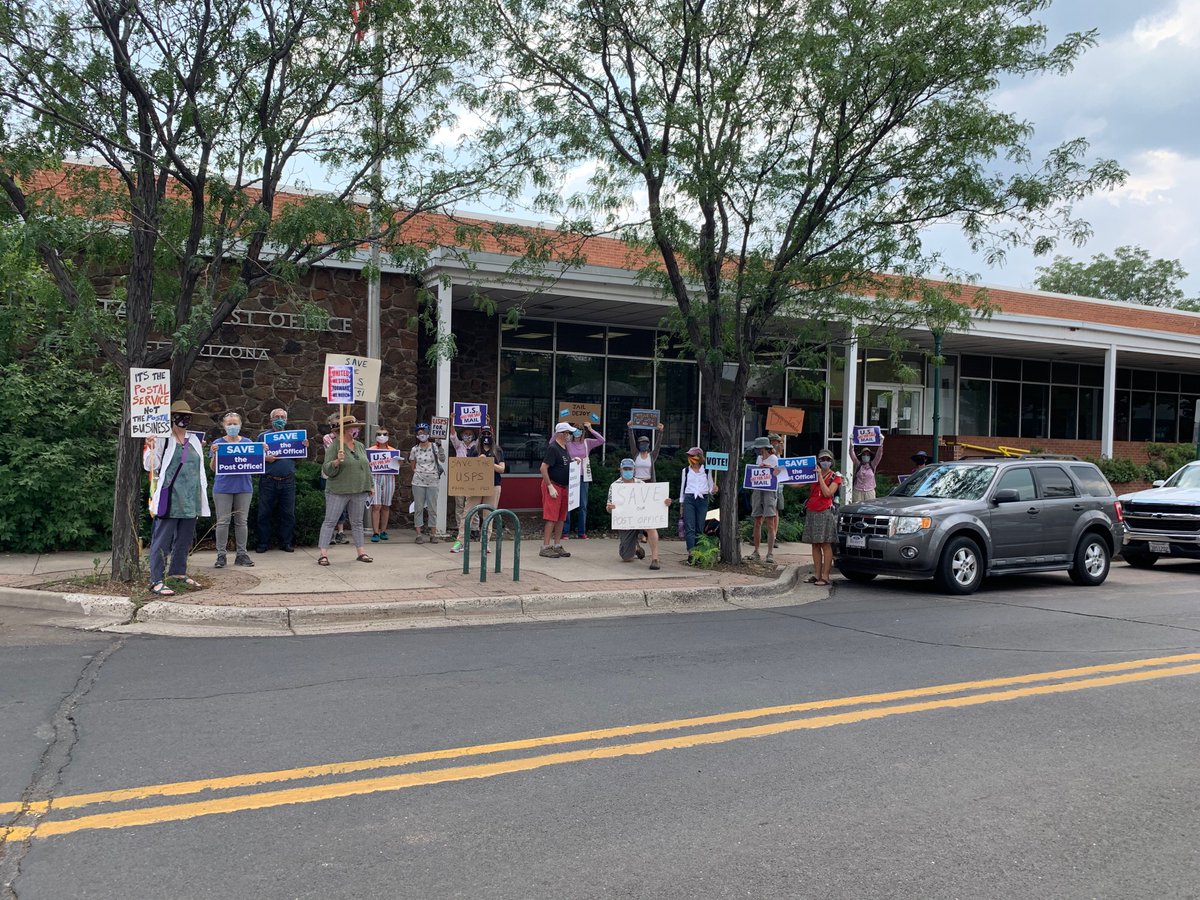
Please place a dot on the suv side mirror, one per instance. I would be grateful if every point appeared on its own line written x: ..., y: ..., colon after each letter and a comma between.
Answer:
x: 1007, y: 495
x: 1158, y: 483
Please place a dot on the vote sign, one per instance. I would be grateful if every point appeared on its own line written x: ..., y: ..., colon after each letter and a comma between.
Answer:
x: 286, y: 444
x: 759, y: 478
x: 384, y: 462
x: 470, y: 415
x: 718, y: 462
x: 868, y: 436
x: 339, y: 384
x: 242, y: 458
x: 798, y: 470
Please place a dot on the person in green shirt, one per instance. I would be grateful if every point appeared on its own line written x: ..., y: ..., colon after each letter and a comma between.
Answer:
x: 348, y: 486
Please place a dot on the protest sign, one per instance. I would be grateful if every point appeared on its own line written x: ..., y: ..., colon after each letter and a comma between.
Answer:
x: 644, y: 418
x: 573, y: 486
x: 242, y: 458
x: 639, y: 506
x: 760, y: 478
x: 439, y: 428
x: 286, y: 444
x: 383, y: 462
x: 339, y: 384
x: 718, y: 462
x: 149, y: 402
x: 470, y: 415
x: 366, y: 376
x: 867, y: 436
x: 798, y: 470
x: 471, y: 476
x: 579, y: 413
x: 199, y: 436
x: 785, y: 420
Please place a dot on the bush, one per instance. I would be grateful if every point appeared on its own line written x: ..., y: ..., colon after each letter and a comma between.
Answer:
x: 1119, y: 471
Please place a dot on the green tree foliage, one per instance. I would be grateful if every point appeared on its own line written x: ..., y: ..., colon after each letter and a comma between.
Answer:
x: 776, y: 162
x: 1130, y: 275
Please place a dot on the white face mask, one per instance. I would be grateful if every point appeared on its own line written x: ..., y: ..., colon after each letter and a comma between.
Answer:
x: 825, y: 463
x: 381, y: 438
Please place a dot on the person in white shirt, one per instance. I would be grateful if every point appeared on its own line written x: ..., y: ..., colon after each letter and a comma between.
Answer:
x: 696, y: 485
x: 764, y: 504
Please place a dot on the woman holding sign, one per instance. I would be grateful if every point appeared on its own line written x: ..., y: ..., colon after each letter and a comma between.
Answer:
x: 384, y: 491
x: 231, y: 496
x: 820, y: 519
x: 348, y: 487
x: 179, y: 495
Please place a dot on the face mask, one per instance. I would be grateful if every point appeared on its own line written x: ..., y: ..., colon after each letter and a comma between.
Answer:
x: 279, y: 424
x: 422, y: 437
x: 232, y: 430
x: 627, y: 475
x: 468, y: 439
x: 577, y: 434
x: 825, y: 463
x: 381, y: 438
x: 182, y: 421
x: 643, y: 448
x: 694, y: 460
x: 866, y: 457
x: 354, y: 433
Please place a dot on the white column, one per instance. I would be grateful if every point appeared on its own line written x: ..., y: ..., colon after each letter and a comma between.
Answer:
x: 445, y: 294
x: 1107, y: 420
x: 849, y: 401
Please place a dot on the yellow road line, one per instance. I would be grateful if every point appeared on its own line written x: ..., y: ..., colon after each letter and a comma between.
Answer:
x: 183, y: 788
x: 310, y: 794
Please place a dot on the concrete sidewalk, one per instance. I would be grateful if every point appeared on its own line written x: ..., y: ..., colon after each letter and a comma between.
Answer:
x: 409, y: 585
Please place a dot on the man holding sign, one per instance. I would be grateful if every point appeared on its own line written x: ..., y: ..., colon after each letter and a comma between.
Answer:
x: 277, y: 485
x: 764, y: 501
x: 631, y: 501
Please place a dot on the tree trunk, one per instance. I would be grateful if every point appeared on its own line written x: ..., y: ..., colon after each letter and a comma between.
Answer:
x: 127, y: 502
x: 727, y: 430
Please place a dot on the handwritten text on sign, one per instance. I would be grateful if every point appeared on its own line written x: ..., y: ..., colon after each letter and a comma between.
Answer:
x: 384, y: 462
x: 339, y: 384
x: 471, y: 476
x: 638, y: 506
x: 286, y: 444
x: 644, y: 418
x: 798, y: 470
x: 868, y: 436
x: 242, y: 458
x: 366, y: 376
x: 149, y: 402
x: 579, y: 413
x: 470, y: 415
x: 439, y: 428
x: 759, y: 478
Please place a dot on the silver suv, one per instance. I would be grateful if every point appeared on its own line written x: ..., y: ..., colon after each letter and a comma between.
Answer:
x: 958, y: 521
x: 1165, y: 520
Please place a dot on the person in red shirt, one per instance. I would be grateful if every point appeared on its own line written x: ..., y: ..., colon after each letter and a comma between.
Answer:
x: 820, y: 519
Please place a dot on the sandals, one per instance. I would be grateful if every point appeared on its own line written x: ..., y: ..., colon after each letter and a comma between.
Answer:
x: 322, y: 560
x: 821, y: 582
x: 362, y: 557
x: 189, y: 581
x: 162, y: 590
x: 811, y: 579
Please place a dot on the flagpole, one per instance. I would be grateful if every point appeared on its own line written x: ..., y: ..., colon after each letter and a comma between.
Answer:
x: 374, y: 286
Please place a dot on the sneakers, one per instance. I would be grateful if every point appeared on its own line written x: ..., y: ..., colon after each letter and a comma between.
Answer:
x: 639, y: 553
x: 243, y: 559
x: 433, y: 537
x: 549, y: 553
x: 340, y: 538
x: 220, y: 563
x: 754, y: 556
x: 420, y: 538
x: 457, y: 548
x: 582, y: 537
x: 375, y: 539
x: 770, y: 558
x: 383, y: 536
x: 561, y: 551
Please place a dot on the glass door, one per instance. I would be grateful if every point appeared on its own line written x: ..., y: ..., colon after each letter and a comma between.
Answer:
x: 895, y: 408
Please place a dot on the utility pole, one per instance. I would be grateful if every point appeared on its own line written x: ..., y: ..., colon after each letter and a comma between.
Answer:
x: 937, y: 392
x: 374, y: 340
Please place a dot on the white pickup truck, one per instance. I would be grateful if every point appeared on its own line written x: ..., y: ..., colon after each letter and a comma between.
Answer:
x: 1164, y: 520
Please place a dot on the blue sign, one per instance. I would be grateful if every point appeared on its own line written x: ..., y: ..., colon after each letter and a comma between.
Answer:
x: 718, y: 462
x: 760, y: 478
x: 798, y: 469
x: 287, y: 444
x: 199, y: 436
x: 383, y: 462
x: 470, y: 415
x: 867, y: 436
x: 242, y: 458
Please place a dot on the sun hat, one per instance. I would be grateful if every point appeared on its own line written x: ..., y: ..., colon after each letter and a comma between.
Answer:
x: 775, y: 436
x: 181, y: 406
x: 563, y: 427
x: 627, y: 463
x: 825, y: 453
x: 349, y: 421
x: 761, y: 443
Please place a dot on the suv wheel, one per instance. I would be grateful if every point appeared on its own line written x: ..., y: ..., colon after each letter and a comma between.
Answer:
x: 1139, y: 559
x: 856, y: 576
x: 960, y: 570
x: 1091, y: 561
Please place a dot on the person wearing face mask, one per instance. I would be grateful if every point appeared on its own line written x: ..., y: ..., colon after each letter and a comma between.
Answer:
x: 486, y: 448
x: 820, y: 520
x: 628, y: 548
x: 384, y: 491
x: 764, y: 504
x: 348, y: 486
x: 277, y: 492
x: 863, y: 485
x: 580, y: 447
x: 231, y: 496
x: 178, y: 497
x: 463, y: 443
x: 696, y: 484
x: 426, y: 459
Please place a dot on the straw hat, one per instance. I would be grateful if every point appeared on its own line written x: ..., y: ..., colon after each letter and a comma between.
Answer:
x: 181, y: 406
x: 348, y: 422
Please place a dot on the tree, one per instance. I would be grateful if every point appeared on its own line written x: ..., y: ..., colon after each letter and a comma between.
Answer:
x: 199, y: 110
x: 775, y: 162
x: 1129, y: 275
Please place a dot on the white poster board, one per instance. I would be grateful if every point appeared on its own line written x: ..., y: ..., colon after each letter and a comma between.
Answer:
x: 149, y: 403
x: 640, y: 506
x: 366, y: 376
x: 573, y: 486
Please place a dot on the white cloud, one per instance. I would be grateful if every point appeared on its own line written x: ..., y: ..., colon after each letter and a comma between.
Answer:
x: 1181, y: 25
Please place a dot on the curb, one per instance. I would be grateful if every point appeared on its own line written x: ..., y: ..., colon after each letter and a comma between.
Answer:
x: 91, y: 605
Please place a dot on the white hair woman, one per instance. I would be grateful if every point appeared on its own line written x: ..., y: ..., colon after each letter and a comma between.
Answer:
x: 231, y: 496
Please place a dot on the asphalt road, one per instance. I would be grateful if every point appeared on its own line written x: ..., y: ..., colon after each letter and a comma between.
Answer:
x: 1080, y: 780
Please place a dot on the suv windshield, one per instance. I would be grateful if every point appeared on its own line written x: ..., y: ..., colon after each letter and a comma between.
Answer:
x: 1187, y: 477
x: 948, y: 482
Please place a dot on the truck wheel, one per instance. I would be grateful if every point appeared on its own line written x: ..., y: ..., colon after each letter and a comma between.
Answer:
x: 960, y: 569
x: 1139, y: 559
x: 1091, y: 561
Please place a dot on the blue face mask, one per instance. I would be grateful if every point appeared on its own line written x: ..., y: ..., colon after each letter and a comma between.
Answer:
x: 232, y: 430
x: 279, y: 424
x: 577, y: 434
x: 627, y: 474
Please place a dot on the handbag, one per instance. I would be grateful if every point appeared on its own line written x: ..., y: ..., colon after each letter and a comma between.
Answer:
x: 164, y: 496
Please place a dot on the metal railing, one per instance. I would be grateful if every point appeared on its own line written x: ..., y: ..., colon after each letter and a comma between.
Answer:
x: 483, y: 540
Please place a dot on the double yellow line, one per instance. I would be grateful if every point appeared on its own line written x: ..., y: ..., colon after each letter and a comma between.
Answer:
x: 30, y: 819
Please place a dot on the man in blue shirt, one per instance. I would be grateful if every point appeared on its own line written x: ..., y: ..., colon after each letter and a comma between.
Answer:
x: 277, y: 493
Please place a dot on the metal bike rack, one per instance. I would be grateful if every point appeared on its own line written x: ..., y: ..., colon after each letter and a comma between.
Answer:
x: 483, y: 540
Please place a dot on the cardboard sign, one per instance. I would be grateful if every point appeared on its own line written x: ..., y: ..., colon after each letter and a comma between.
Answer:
x: 645, y: 418
x: 785, y: 420
x: 149, y: 403
x: 339, y: 384
x: 579, y: 413
x: 242, y: 458
x: 471, y: 476
x: 798, y: 470
x: 639, y: 506
x: 383, y: 462
x: 867, y: 436
x: 573, y: 485
x: 718, y: 462
x: 760, y: 478
x: 470, y: 415
x: 286, y: 444
x: 366, y: 376
x: 439, y: 428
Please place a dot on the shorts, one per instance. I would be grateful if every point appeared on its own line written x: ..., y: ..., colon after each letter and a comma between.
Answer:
x: 764, y: 503
x: 554, y: 510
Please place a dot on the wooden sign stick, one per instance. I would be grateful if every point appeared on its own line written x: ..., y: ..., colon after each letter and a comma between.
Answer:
x: 341, y: 425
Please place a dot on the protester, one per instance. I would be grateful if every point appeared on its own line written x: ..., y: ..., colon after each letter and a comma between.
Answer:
x: 820, y: 519
x: 277, y: 492
x: 426, y: 459
x: 328, y: 436
x: 863, y: 486
x: 556, y: 480
x: 383, y: 492
x: 696, y: 485
x: 486, y: 448
x: 348, y: 486
x: 645, y: 449
x: 463, y: 443
x: 764, y: 504
x: 580, y: 448
x: 920, y: 459
x: 179, y: 496
x: 628, y: 547
x: 777, y: 445
x: 231, y: 496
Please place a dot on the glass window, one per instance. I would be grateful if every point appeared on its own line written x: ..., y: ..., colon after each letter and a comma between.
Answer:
x: 579, y: 379
x: 1143, y: 380
x: 1090, y: 415
x: 1166, y: 423
x: 1065, y: 373
x: 1006, y: 409
x: 1093, y: 376
x: 1124, y: 378
x: 630, y: 386
x: 948, y: 482
x: 678, y: 392
x: 574, y: 338
x: 1190, y: 384
x: 976, y: 366
x: 949, y: 399
x: 974, y: 401
x: 806, y: 391
x: 1054, y: 482
x: 1035, y: 370
x: 763, y: 390
x: 1187, y: 418
x: 1019, y: 480
x: 1064, y: 411
x: 1141, y: 416
x: 882, y: 368
x: 1121, y: 416
x: 1187, y: 477
x: 1168, y: 382
x: 630, y: 342
x: 1009, y: 369
x: 530, y: 335
x: 1092, y: 480
x: 1035, y: 410
x: 526, y: 407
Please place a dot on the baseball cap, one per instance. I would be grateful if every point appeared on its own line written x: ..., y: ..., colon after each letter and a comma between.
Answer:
x: 563, y: 426
x: 627, y: 463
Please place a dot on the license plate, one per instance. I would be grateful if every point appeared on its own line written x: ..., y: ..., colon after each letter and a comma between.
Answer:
x: 1159, y: 547
x: 858, y: 541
